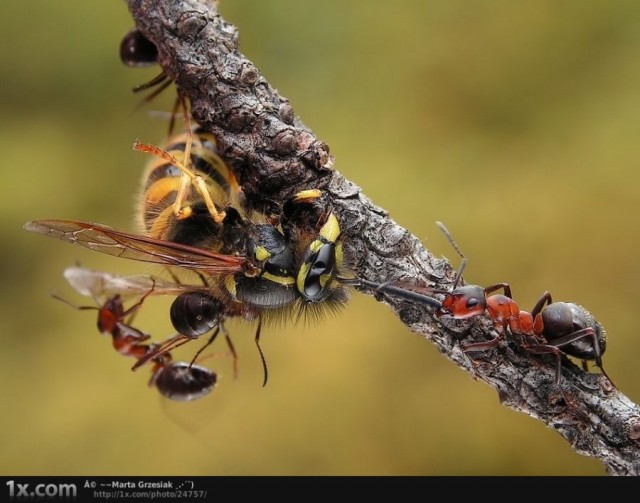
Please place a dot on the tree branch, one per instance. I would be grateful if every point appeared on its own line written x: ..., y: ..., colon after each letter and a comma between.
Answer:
x: 274, y: 155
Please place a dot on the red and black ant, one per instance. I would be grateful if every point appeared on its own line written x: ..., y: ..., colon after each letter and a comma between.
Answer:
x: 547, y: 328
x: 175, y: 380
x: 555, y: 328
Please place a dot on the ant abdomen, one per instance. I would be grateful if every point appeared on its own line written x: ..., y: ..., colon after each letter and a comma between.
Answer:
x: 137, y: 50
x: 184, y: 382
x: 561, y: 319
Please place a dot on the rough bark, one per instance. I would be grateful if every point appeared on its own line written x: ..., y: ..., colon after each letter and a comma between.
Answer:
x: 274, y: 155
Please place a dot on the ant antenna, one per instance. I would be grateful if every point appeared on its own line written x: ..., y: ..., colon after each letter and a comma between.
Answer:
x: 463, y: 264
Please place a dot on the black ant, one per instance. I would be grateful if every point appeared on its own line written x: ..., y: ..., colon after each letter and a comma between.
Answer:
x: 175, y: 380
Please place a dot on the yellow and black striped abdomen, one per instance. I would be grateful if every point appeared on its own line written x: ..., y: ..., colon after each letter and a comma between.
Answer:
x: 161, y: 182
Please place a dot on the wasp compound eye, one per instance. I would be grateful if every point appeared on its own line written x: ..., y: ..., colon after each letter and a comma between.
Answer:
x: 319, y: 272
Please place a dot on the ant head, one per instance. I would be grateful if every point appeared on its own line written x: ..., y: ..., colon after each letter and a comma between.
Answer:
x: 464, y: 302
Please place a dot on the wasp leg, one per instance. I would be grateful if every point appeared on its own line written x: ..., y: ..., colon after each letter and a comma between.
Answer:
x: 188, y: 178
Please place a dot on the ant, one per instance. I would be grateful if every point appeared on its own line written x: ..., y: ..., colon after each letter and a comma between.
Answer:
x: 549, y: 327
x: 174, y: 380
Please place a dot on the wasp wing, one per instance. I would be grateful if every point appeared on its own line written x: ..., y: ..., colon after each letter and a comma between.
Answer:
x: 104, y: 239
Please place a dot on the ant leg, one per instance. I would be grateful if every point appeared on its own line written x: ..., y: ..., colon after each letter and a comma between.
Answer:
x: 153, y: 82
x: 174, y: 111
x: 541, y: 349
x: 498, y: 286
x: 134, y: 308
x: 232, y: 350
x: 170, y: 344
x: 580, y: 334
x: 483, y: 346
x: 206, y: 345
x: 576, y: 336
x: 545, y: 299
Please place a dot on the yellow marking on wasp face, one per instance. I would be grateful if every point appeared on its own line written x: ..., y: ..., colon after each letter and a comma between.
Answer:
x: 302, y: 275
x: 262, y: 253
x: 316, y: 245
x: 331, y: 229
x: 280, y: 280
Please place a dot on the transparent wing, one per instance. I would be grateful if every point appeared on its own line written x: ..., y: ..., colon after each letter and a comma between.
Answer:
x: 104, y: 239
x: 98, y: 284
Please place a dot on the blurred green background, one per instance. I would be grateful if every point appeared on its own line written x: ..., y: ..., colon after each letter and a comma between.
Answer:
x: 515, y: 123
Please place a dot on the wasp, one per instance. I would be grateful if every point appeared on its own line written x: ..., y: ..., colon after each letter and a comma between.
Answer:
x: 252, y: 266
x: 180, y: 381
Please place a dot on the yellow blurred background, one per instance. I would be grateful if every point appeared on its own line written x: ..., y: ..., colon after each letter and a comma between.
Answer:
x: 515, y: 123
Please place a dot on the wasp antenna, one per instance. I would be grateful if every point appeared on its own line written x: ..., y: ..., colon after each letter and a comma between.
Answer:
x: 463, y: 263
